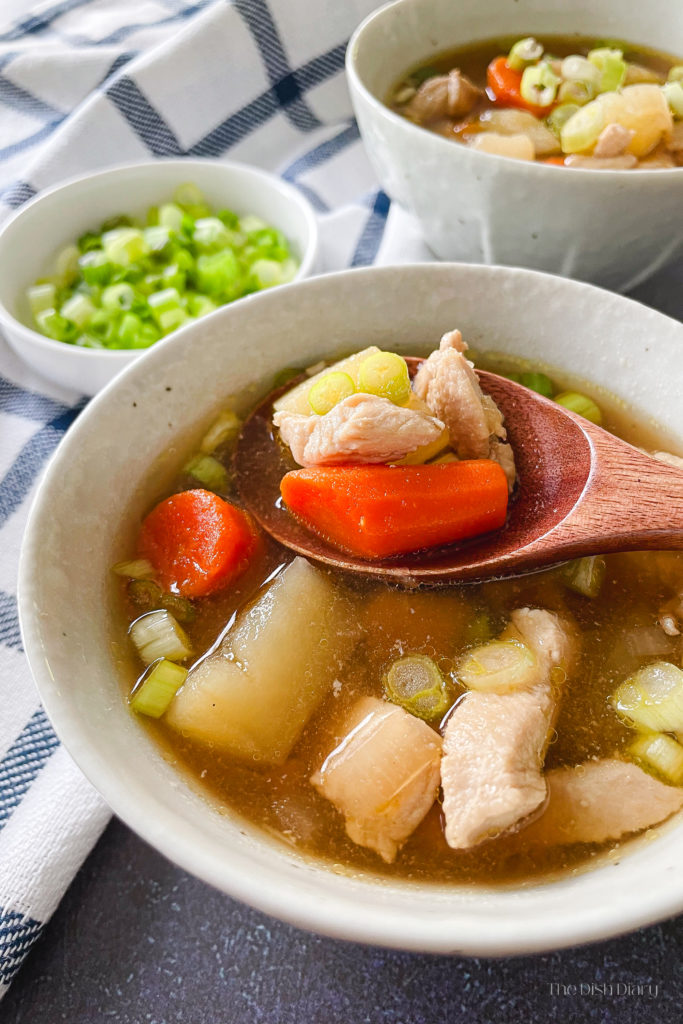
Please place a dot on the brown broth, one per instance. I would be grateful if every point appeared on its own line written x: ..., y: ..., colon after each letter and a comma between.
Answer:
x: 440, y: 623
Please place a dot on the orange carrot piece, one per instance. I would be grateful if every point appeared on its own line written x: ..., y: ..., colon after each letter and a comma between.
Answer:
x: 505, y: 83
x: 197, y: 542
x: 377, y: 511
x: 556, y: 161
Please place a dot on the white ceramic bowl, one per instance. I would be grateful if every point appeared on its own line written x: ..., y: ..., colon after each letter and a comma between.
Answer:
x: 55, y: 218
x: 613, y: 228
x: 148, y: 420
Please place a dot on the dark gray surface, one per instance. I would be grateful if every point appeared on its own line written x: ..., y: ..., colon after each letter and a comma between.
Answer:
x: 138, y: 941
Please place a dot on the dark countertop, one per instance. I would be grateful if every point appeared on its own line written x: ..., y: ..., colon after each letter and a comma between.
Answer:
x: 138, y: 941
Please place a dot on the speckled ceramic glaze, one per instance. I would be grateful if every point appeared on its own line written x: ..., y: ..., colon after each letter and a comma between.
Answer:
x: 613, y: 228
x: 136, y: 433
x: 30, y: 240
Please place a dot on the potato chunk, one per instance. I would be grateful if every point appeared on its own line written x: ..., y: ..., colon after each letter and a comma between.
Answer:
x: 383, y: 776
x: 253, y: 696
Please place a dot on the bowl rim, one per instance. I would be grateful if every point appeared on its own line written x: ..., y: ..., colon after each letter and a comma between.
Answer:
x: 262, y: 886
x: 417, y: 131
x: 124, y: 355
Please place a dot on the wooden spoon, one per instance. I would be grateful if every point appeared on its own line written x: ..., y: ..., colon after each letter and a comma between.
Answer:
x: 580, y: 491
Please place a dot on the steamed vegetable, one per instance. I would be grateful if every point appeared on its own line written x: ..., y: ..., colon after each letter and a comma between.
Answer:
x: 157, y: 688
x: 197, y: 542
x: 660, y: 755
x: 416, y: 684
x: 158, y: 635
x: 254, y: 695
x: 581, y: 404
x: 499, y: 666
x: 129, y: 284
x: 378, y: 511
x: 506, y: 85
x: 652, y: 698
x: 585, y: 575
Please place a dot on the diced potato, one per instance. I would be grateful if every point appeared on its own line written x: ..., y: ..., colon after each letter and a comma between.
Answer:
x: 254, y: 695
x: 296, y: 400
x: 642, y: 109
x: 518, y: 146
x: 510, y: 121
x: 383, y: 776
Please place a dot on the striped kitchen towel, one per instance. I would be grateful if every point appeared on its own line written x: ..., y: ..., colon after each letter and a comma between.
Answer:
x: 84, y: 84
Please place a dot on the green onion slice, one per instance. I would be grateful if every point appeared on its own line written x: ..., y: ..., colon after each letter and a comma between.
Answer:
x: 158, y: 635
x: 498, y: 667
x: 652, y: 698
x: 660, y: 755
x: 539, y: 85
x: 416, y: 684
x: 581, y: 404
x: 385, y: 374
x: 524, y: 52
x: 156, y: 689
x: 585, y: 575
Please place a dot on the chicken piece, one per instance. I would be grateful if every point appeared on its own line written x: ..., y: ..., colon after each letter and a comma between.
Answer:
x: 600, y: 800
x: 591, y: 163
x: 360, y: 429
x: 451, y: 95
x: 383, y: 776
x: 446, y: 381
x: 613, y: 141
x: 495, y: 743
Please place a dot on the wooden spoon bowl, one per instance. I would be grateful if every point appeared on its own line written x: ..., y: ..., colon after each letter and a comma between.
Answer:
x: 579, y: 491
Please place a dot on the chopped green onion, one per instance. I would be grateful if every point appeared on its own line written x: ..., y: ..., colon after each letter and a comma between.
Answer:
x: 415, y: 683
x: 157, y: 238
x: 580, y: 69
x: 524, y: 52
x: 224, y: 428
x: 171, y: 217
x: 66, y: 265
x: 385, y: 374
x: 157, y: 688
x: 611, y: 66
x: 580, y: 133
x: 42, y: 297
x: 539, y: 383
x: 55, y: 326
x: 146, y: 595
x: 575, y: 93
x: 89, y: 241
x: 329, y: 390
x: 581, y: 404
x: 79, y: 309
x: 585, y: 575
x: 124, y: 246
x: 188, y: 195
x: 118, y: 296
x: 675, y: 73
x: 558, y: 117
x: 652, y: 698
x: 660, y: 755
x: 673, y: 91
x: 498, y: 667
x: 251, y: 223
x: 158, y: 635
x: 135, y: 569
x: 539, y: 85
x: 209, y: 472
x: 210, y: 234
x: 171, y: 319
x: 199, y: 305
x: 180, y: 607
x: 95, y: 268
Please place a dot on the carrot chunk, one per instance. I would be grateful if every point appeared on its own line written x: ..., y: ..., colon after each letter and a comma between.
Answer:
x: 377, y: 511
x: 506, y: 85
x: 197, y: 542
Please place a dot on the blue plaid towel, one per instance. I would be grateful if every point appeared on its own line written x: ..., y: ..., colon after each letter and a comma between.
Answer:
x: 84, y: 84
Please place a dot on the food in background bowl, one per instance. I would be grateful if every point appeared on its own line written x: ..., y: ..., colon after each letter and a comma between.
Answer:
x: 332, y: 711
x: 574, y: 103
x: 127, y: 284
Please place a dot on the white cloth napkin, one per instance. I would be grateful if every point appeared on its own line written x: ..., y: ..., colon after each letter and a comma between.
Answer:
x: 85, y: 84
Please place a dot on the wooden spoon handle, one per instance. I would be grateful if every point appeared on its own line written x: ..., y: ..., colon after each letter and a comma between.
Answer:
x: 631, y: 501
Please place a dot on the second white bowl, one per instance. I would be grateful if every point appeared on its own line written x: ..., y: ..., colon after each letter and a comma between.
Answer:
x: 613, y: 228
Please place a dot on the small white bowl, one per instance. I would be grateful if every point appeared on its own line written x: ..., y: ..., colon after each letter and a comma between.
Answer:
x: 132, y: 438
x: 30, y: 240
x: 613, y: 228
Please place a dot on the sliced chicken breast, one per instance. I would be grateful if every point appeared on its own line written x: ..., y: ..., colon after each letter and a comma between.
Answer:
x: 495, y: 743
x: 360, y: 429
x: 383, y: 776
x: 600, y: 800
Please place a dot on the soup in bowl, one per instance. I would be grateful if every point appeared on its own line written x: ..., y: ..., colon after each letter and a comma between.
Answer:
x: 471, y: 200
x: 256, y: 800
